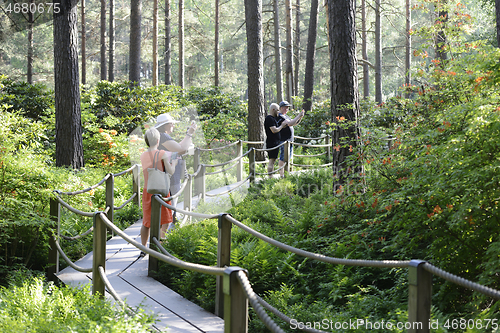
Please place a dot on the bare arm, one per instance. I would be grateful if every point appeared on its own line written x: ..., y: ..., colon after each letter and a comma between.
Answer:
x: 297, y: 119
x: 169, y: 167
x: 182, y: 146
x: 275, y: 129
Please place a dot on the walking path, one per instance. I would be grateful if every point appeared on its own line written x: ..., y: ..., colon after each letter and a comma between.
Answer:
x: 127, y: 274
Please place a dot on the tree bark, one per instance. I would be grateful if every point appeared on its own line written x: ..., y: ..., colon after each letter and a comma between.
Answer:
x: 256, y: 109
x: 289, y: 52
x: 344, y: 89
x: 155, y: 43
x: 112, y: 41
x: 181, y: 43
x: 135, y: 42
x: 378, y: 53
x: 408, y: 46
x: 69, y: 148
x: 311, y: 52
x: 216, y: 50
x: 277, y: 53
x: 168, y: 65
x: 84, y: 48
x: 497, y: 15
x: 104, y: 70
x: 364, y: 52
x: 29, y: 73
x: 441, y: 39
x: 296, y: 47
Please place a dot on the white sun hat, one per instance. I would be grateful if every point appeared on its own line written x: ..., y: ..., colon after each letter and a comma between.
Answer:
x: 163, y: 119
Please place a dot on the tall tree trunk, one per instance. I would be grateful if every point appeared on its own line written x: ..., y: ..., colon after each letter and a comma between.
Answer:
x: 311, y: 51
x: 155, y: 43
x: 289, y: 52
x: 69, y: 148
x: 344, y: 89
x: 181, y: 43
x: 104, y: 70
x: 408, y: 46
x: 112, y: 41
x: 168, y: 65
x: 216, y: 51
x: 296, y: 47
x: 256, y: 109
x: 441, y: 39
x: 135, y: 42
x: 364, y: 52
x: 497, y: 15
x: 378, y: 52
x: 277, y: 53
x: 29, y: 74
x: 84, y: 48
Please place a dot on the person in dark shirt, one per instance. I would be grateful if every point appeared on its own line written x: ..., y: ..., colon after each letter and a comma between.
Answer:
x: 273, y: 138
x: 287, y: 132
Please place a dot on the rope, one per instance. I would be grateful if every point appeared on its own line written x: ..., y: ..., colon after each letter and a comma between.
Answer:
x: 302, y: 138
x: 247, y: 288
x: 65, y: 257
x: 125, y: 171
x: 175, y: 262
x: 315, y: 155
x: 126, y: 202
x: 461, y: 281
x: 78, y: 236
x: 197, y: 171
x: 230, y: 190
x: 219, y: 148
x: 178, y: 192
x: 311, y: 146
x: 178, y: 210
x: 311, y: 166
x: 221, y: 170
x: 284, y: 317
x: 72, y: 209
x: 253, y: 142
x: 108, y: 285
x: 270, y: 173
x: 320, y: 257
x: 230, y: 161
x: 272, y: 148
x: 87, y: 189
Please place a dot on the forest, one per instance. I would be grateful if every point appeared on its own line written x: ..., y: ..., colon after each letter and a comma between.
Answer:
x: 423, y: 74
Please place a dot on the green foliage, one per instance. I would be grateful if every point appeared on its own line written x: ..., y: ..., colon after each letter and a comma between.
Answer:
x: 35, y: 306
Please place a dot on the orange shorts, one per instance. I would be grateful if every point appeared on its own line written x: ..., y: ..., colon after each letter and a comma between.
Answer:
x: 166, y: 214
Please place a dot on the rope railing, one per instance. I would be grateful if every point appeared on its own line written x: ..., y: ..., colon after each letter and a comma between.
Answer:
x: 93, y: 187
x: 72, y: 209
x: 221, y: 170
x: 73, y: 238
x: 70, y: 263
x: 320, y: 257
x: 126, y: 202
x: 310, y: 166
x: 169, y: 260
x: 318, y: 138
x: 219, y: 148
x: 239, y: 184
x: 125, y: 171
x: 108, y: 285
x: 461, y: 281
x: 252, y: 297
x: 185, y: 212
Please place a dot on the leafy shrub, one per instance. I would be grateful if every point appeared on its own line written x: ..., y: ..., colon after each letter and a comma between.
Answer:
x: 35, y: 306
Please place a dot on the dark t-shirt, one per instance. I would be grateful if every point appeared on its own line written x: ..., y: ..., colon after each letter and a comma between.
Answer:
x: 287, y: 131
x: 272, y: 139
x: 175, y: 179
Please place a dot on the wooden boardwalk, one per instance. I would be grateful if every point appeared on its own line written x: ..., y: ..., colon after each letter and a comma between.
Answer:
x: 127, y: 274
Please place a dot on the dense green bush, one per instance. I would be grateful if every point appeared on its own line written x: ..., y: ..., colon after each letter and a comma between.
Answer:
x: 35, y: 306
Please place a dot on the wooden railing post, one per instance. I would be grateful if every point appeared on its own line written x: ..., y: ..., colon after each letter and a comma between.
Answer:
x: 136, y: 184
x: 287, y: 156
x: 154, y: 232
x: 188, y: 195
x: 239, y: 167
x: 419, y: 297
x: 328, y: 149
x: 110, y: 198
x: 251, y: 164
x: 223, y: 260
x: 235, y: 303
x: 99, y: 255
x: 53, y: 267
x: 196, y: 164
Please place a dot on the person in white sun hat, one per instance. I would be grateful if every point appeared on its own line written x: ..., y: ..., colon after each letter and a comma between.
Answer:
x: 165, y: 125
